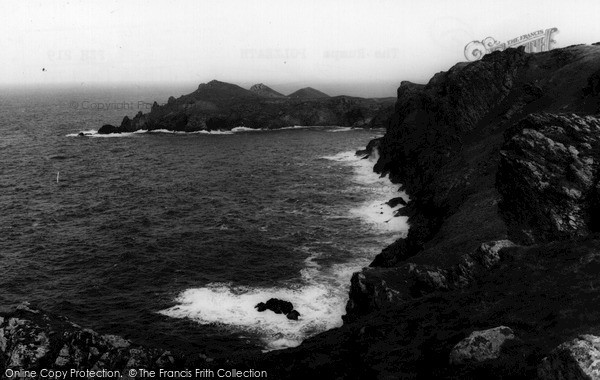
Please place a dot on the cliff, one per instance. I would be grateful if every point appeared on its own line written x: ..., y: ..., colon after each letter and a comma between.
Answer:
x: 497, y: 277
x: 500, y: 159
x: 223, y: 106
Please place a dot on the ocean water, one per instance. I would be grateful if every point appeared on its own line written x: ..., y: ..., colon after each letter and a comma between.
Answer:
x: 170, y: 239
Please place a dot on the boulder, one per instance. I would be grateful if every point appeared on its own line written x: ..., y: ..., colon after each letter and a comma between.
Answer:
x: 279, y: 306
x: 276, y: 305
x: 396, y: 201
x: 481, y: 345
x: 293, y: 315
x: 576, y: 359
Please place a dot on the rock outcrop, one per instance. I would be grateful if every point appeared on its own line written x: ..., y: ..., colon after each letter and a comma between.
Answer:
x: 33, y: 340
x: 481, y: 345
x: 107, y: 129
x: 576, y: 359
x: 377, y: 288
x: 548, y: 177
x: 499, y: 159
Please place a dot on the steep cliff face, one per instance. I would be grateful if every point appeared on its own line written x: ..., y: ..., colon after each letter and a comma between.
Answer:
x: 548, y: 177
x: 498, y: 156
x: 444, y: 140
x: 435, y: 117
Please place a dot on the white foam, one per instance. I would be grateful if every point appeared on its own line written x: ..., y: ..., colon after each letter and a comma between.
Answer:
x: 246, y: 129
x: 375, y: 211
x: 342, y: 157
x: 294, y: 127
x: 90, y: 132
x: 168, y: 131
x: 322, y: 292
x: 342, y: 129
x: 94, y: 133
x: 320, y: 306
x: 299, y: 127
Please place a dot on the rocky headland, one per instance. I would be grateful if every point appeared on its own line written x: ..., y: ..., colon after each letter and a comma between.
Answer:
x: 498, y: 276
x: 223, y: 106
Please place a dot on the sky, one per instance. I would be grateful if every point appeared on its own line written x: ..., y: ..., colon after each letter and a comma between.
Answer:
x: 357, y: 47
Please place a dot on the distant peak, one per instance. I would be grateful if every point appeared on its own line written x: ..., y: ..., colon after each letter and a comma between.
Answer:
x: 308, y: 92
x: 208, y: 83
x: 212, y: 83
x: 265, y: 91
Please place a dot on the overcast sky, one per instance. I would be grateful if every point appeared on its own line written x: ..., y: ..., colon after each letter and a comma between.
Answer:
x: 371, y: 45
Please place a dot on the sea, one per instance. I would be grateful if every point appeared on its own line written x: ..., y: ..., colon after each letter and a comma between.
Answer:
x: 171, y: 239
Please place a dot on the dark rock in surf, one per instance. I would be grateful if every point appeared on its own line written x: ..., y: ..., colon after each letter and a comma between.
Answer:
x: 276, y: 305
x: 373, y: 144
x: 293, y: 315
x: 396, y: 201
x: 261, y: 307
x: 108, y: 129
